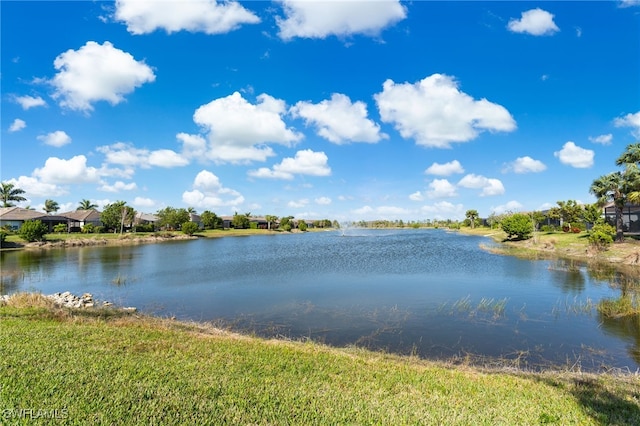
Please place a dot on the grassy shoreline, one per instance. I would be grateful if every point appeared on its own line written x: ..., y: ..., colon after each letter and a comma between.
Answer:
x: 104, y: 366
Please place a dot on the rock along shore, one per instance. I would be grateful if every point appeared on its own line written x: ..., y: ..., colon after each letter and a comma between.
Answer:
x: 69, y: 300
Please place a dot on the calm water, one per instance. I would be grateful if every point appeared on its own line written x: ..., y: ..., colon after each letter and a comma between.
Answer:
x: 423, y: 292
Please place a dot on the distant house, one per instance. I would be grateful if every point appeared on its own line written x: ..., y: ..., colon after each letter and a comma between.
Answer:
x: 79, y: 218
x: 14, y: 217
x: 630, y: 216
x: 146, y: 219
x: 195, y: 218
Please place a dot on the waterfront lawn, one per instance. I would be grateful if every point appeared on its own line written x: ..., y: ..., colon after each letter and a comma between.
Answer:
x: 108, y: 367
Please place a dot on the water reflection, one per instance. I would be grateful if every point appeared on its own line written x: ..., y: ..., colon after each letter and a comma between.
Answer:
x: 628, y: 329
x: 428, y: 293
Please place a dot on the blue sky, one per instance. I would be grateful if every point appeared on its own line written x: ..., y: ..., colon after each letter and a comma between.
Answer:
x: 345, y: 110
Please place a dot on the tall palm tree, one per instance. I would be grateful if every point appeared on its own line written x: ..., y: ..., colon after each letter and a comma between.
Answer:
x: 9, y: 193
x: 86, y: 205
x: 631, y: 155
x: 51, y: 206
x: 612, y: 187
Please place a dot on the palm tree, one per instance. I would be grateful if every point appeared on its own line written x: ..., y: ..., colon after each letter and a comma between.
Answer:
x: 10, y: 193
x: 86, y: 205
x: 612, y: 187
x: 631, y: 155
x: 51, y: 206
x: 472, y: 215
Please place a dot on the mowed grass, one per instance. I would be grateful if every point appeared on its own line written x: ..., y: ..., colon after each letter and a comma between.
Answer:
x: 108, y: 367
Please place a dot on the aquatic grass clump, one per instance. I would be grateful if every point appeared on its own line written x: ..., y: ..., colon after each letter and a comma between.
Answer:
x: 575, y: 307
x: 623, y: 306
x: 497, y: 307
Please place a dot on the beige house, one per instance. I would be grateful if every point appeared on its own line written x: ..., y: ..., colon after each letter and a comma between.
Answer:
x: 79, y: 218
x: 14, y: 217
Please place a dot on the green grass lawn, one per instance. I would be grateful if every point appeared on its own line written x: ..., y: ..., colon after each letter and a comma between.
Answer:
x: 106, y: 367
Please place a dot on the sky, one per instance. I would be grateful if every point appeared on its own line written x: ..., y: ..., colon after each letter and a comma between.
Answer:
x: 340, y: 109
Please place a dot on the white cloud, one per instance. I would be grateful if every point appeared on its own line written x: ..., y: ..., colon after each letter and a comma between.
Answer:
x: 435, y: 112
x: 312, y: 19
x: 535, y: 22
x: 445, y: 169
x: 58, y: 138
x: 73, y: 170
x: 238, y: 130
x: 97, y: 72
x: 489, y: 186
x: 323, y: 201
x: 602, y: 139
x: 193, y: 146
x: 118, y: 186
x: 416, y: 196
x: 381, y: 212
x: 128, y: 155
x: 209, y: 193
x: 166, y: 158
x: 525, y: 164
x: 443, y: 210
x: 441, y: 188
x: 629, y: 120
x: 511, y: 206
x: 207, y: 16
x: 36, y: 188
x: 297, y: 204
x: 305, y: 162
x: 629, y: 3
x: 339, y: 120
x: 17, y: 125
x: 27, y: 102
x: 143, y: 202
x: 574, y: 156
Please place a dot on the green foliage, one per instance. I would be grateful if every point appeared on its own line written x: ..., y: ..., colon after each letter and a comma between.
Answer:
x: 517, y: 225
x: 302, y: 225
x: 570, y: 211
x: 471, y: 216
x: 86, y: 205
x: 172, y: 218
x: 548, y: 228
x: 592, y: 213
x: 51, y: 206
x: 118, y: 215
x: 190, y: 228
x: 241, y: 221
x: 285, y: 223
x: 144, y: 227
x: 9, y: 193
x: 601, y: 236
x: 3, y: 236
x: 271, y: 219
x: 33, y: 230
x: 89, y: 228
x: 621, y: 307
x: 60, y: 228
x: 210, y: 220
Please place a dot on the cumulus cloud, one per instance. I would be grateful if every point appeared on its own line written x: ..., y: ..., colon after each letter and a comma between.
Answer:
x: 310, y: 19
x: 441, y: 188
x: 58, y: 138
x: 97, y: 72
x: 73, y: 170
x: 143, y: 202
x: 27, y: 102
x: 602, y: 139
x: 489, y: 186
x: 445, y: 169
x: 118, y: 186
x: 575, y: 156
x: 629, y: 120
x: 238, y: 131
x: 416, y: 196
x: 436, y: 113
x: 127, y: 155
x: 443, y: 210
x: 297, y: 204
x: 209, y: 193
x: 525, y: 165
x: 323, y: 201
x: 535, y: 22
x: 17, y: 125
x: 207, y: 16
x: 36, y: 187
x: 305, y: 162
x: 510, y: 206
x: 339, y: 120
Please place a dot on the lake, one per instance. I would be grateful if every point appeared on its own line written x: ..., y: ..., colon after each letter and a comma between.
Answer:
x: 428, y: 293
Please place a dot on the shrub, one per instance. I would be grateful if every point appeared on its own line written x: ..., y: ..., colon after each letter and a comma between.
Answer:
x: 89, y: 228
x: 517, y: 225
x: 190, y: 228
x: 548, y: 228
x: 3, y: 236
x: 33, y: 230
x: 148, y: 227
x: 60, y: 228
x: 302, y: 225
x: 601, y: 236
